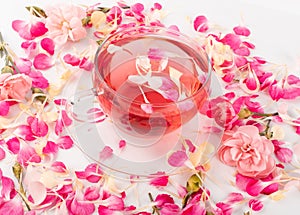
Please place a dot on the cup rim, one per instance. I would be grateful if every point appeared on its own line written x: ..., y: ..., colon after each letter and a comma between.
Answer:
x: 170, y: 36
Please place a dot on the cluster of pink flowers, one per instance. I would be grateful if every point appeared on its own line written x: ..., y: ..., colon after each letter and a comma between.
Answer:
x: 249, y: 144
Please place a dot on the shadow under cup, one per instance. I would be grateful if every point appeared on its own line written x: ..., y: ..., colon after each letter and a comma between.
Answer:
x: 150, y: 81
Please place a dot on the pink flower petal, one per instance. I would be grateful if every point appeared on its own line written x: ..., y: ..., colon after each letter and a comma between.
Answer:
x: 48, y: 45
x: 50, y: 148
x: 71, y: 59
x: 76, y: 206
x: 241, y: 30
x: 86, y: 64
x: 12, y: 207
x: 65, y: 142
x: 232, y: 40
x: 91, y: 194
x: 190, y: 145
x: 38, y: 80
x: 122, y: 144
x: 106, y: 153
x: 162, y: 199
x: 42, y: 62
x: 39, y: 127
x: 28, y: 154
x: 284, y: 155
x: 200, y: 24
x: 23, y: 29
x: 59, y: 167
x: 25, y: 132
x: 13, y: 145
x: 38, y: 29
x: 4, y: 108
x: 255, y: 204
x: 160, y: 180
x: 37, y: 191
x: 177, y: 158
x: 2, y: 154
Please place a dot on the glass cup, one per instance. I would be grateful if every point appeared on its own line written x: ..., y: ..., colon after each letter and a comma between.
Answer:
x: 150, y: 81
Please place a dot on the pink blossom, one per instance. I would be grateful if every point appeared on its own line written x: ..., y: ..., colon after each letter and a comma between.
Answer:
x: 29, y: 31
x: 248, y: 151
x: 64, y: 23
x: 14, y: 86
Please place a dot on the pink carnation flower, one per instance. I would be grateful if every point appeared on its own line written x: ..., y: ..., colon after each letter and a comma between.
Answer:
x: 64, y: 23
x: 249, y: 152
x: 14, y: 86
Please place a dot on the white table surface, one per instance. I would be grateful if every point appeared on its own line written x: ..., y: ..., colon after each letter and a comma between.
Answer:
x: 275, y: 32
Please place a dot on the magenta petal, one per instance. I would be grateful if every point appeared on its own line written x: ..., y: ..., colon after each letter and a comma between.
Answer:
x: 38, y: 29
x: 42, y: 61
x: 4, y: 108
x: 71, y: 59
x: 2, y: 154
x: 59, y: 166
x: 241, y: 30
x: 232, y: 40
x: 200, y: 24
x: 48, y: 45
x: 13, y: 145
x: 50, y: 147
x: 284, y: 155
x: 177, y: 158
x: 65, y: 142
x: 255, y: 204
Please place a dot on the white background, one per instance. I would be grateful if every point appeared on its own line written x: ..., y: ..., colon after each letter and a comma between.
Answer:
x: 275, y: 32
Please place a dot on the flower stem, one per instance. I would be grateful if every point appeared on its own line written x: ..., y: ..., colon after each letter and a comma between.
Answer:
x: 155, y: 209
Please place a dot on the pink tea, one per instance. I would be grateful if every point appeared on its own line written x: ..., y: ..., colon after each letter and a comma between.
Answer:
x: 150, y: 86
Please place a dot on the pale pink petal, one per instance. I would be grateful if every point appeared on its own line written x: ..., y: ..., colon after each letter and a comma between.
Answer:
x: 42, y: 62
x: 147, y: 108
x: 37, y: 191
x: 65, y: 142
x: 59, y: 167
x: 234, y: 198
x: 106, y: 153
x: 48, y: 45
x: 13, y: 145
x: 23, y: 65
x: 25, y: 132
x: 23, y: 29
x: 177, y: 158
x: 28, y: 154
x: 4, y: 108
x: 30, y: 48
x: 114, y: 203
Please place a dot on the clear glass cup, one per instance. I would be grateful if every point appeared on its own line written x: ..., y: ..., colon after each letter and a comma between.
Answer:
x: 150, y: 81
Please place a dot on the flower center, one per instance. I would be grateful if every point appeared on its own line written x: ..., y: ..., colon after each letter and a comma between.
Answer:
x: 246, y: 147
